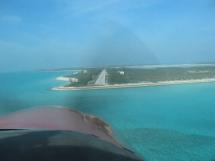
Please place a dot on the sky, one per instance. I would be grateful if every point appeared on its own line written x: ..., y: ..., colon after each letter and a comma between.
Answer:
x: 46, y: 34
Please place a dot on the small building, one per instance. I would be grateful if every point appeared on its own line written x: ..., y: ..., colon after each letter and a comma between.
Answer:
x: 121, y: 72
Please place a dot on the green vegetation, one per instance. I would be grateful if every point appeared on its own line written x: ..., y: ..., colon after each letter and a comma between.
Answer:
x: 136, y: 75
x: 87, y: 77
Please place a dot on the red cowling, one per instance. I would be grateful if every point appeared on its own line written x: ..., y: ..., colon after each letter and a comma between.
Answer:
x: 58, y: 118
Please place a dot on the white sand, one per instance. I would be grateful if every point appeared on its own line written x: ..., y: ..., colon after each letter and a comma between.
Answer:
x: 144, y: 84
x: 62, y: 78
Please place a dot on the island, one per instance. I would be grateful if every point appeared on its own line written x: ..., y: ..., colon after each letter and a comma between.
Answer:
x: 137, y: 76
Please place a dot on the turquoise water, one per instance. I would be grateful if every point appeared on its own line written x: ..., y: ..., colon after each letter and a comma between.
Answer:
x: 166, y: 123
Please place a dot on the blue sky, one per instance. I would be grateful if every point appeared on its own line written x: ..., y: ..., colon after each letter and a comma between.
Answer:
x: 65, y: 33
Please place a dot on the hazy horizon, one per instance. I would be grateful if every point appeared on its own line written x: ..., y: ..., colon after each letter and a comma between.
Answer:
x: 47, y: 34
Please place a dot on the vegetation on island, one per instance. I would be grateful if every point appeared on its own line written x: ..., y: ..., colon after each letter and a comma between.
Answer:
x: 85, y: 77
x: 137, y: 75
x: 123, y: 75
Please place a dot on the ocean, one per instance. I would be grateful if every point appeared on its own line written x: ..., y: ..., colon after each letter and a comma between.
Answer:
x: 162, y: 123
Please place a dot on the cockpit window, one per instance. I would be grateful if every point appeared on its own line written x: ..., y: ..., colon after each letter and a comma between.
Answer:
x: 136, y: 77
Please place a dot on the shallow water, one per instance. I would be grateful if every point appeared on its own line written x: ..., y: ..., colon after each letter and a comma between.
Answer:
x: 165, y: 123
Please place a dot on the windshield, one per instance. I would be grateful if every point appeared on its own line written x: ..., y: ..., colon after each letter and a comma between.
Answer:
x: 141, y: 71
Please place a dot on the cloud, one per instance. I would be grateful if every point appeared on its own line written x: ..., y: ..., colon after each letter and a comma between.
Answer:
x: 10, y: 18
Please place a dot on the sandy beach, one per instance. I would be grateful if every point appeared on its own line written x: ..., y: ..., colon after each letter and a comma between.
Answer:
x: 143, y: 84
x: 62, y: 78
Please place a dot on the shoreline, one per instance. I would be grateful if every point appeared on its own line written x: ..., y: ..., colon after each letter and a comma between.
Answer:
x: 132, y: 85
x: 62, y: 78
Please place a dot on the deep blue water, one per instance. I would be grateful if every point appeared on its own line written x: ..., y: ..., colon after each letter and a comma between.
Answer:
x: 166, y: 123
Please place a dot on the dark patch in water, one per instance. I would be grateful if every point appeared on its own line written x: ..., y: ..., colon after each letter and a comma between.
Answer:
x: 168, y: 145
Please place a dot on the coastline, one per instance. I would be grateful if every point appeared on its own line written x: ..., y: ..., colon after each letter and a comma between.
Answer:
x: 130, y: 85
x: 62, y: 78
